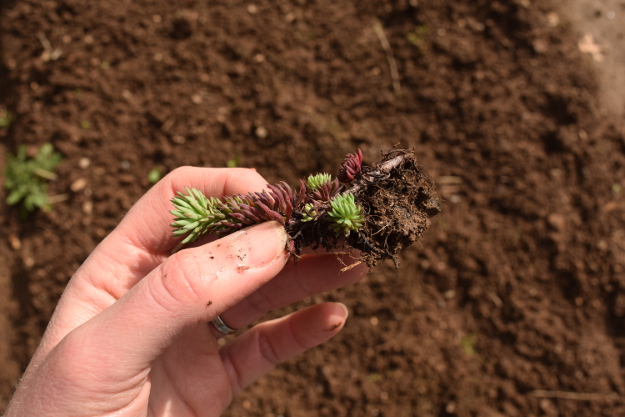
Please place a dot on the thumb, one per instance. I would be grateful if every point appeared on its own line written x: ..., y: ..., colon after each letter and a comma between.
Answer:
x: 193, y: 285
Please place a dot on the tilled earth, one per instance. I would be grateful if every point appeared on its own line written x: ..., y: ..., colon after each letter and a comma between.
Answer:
x: 513, y: 303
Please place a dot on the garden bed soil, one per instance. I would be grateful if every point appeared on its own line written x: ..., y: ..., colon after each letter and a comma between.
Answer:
x: 513, y: 302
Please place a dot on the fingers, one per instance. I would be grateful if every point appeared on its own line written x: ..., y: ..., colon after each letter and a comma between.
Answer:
x: 140, y: 243
x: 147, y: 223
x: 261, y: 348
x: 313, y: 274
x: 143, y: 239
x: 146, y: 229
x: 189, y: 287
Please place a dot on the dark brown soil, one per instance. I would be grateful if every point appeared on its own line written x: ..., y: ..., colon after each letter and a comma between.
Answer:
x: 397, y: 202
x: 513, y: 303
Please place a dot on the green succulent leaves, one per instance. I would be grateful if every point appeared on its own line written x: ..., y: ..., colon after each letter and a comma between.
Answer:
x: 195, y: 213
x: 326, y: 211
x: 315, y: 182
x: 346, y: 214
x: 321, y: 204
x: 26, y: 177
x: 198, y: 215
x: 309, y: 213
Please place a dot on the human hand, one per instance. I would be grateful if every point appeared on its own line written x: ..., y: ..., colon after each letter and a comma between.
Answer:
x: 130, y: 336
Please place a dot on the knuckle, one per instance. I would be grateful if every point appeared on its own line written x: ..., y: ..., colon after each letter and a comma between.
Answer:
x: 242, y: 176
x: 181, y: 171
x: 180, y: 175
x: 177, y: 285
x: 75, y: 362
x: 266, y: 349
x: 261, y: 302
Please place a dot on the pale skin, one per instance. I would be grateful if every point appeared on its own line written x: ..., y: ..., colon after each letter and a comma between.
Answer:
x: 131, y: 334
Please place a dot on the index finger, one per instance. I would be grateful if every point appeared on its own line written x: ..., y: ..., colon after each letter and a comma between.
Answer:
x: 143, y: 239
x: 145, y: 232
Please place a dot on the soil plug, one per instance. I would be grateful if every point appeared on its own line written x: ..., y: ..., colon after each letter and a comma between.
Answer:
x: 377, y: 210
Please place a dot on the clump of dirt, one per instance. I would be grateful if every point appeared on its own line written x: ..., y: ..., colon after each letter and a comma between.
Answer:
x: 398, y: 200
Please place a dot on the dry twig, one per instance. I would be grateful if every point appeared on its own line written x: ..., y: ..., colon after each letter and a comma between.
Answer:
x: 49, y: 54
x: 392, y: 65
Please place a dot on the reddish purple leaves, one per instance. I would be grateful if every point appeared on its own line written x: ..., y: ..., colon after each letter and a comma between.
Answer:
x: 351, y: 167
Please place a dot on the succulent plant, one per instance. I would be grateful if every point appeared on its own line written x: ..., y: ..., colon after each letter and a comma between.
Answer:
x: 319, y: 200
x: 346, y: 214
x: 326, y: 211
x: 193, y: 214
x: 351, y: 167
x: 309, y: 213
x: 326, y: 191
x: 316, y: 181
x: 198, y: 215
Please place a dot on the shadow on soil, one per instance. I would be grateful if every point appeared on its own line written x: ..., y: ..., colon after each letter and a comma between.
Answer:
x: 5, y: 86
x: 7, y: 92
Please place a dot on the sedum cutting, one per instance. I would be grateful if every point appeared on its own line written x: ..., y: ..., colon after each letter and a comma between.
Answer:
x: 378, y: 209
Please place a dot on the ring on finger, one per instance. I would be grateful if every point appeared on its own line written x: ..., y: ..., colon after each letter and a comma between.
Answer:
x: 222, y: 326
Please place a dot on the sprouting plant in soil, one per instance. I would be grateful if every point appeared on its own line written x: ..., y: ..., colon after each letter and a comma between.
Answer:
x: 26, y: 178
x: 6, y: 118
x: 377, y: 210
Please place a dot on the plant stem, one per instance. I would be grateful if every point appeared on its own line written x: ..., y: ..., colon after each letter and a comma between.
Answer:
x: 45, y: 174
x: 381, y: 170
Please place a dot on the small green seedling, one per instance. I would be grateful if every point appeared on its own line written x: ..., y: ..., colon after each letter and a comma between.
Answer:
x: 233, y: 163
x: 6, y: 117
x: 417, y: 37
x: 374, y: 378
x: 467, y: 343
x: 26, y: 177
x: 154, y: 175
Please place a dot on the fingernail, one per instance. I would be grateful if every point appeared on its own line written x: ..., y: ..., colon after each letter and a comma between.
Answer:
x: 259, y: 245
x: 344, y: 308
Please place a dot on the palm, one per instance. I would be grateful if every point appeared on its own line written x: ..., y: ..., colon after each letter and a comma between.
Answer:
x: 190, y: 378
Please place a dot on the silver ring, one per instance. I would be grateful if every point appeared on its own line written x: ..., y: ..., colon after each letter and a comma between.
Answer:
x: 221, y: 326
